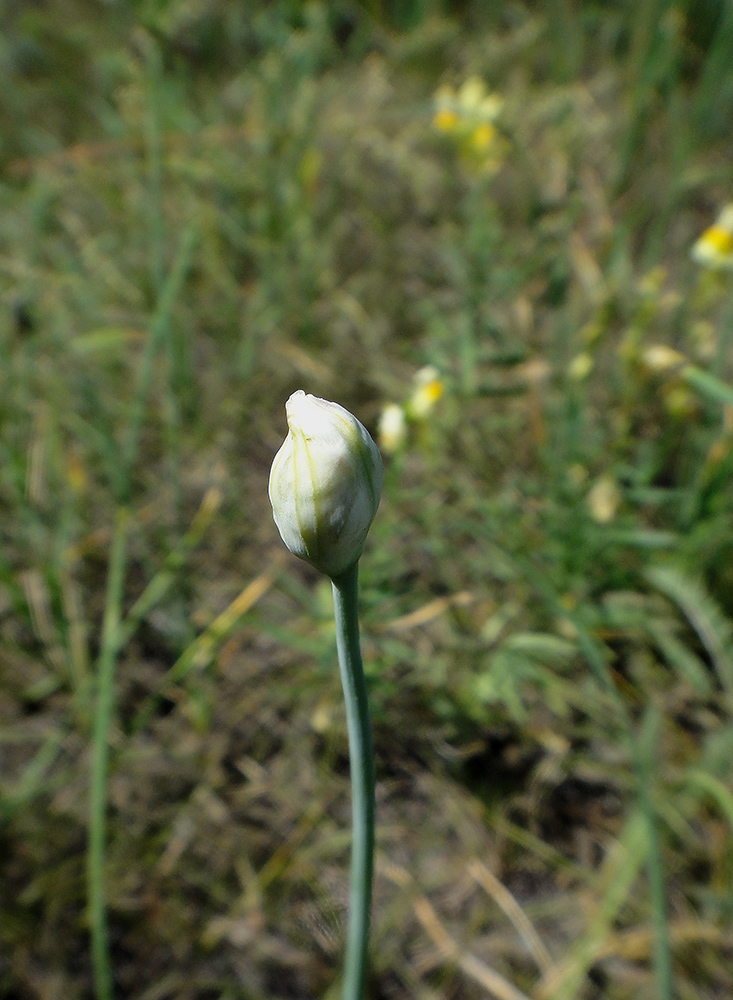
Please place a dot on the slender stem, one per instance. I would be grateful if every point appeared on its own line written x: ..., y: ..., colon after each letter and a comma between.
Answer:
x: 361, y: 756
x: 100, y: 750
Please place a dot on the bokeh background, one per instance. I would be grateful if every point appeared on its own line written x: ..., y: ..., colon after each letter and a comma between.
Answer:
x: 497, y: 232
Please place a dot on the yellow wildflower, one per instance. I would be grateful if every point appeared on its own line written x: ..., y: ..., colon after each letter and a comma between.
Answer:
x: 468, y: 114
x: 394, y: 420
x: 445, y: 120
x: 471, y: 93
x: 428, y: 390
x: 474, y: 101
x: 446, y: 115
x: 483, y: 136
x: 715, y: 247
x: 470, y: 106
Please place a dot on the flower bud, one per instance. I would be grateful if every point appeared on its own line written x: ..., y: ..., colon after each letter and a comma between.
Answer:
x: 325, y: 484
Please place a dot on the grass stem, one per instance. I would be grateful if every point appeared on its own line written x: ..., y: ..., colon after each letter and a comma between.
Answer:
x: 102, y: 969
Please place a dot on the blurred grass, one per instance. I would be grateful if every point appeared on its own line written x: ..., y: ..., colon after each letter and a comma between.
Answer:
x: 206, y: 207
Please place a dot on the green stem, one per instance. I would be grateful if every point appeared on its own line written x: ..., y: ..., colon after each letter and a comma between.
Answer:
x: 361, y: 756
x: 100, y: 751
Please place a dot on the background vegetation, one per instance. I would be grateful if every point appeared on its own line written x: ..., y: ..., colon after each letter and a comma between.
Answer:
x: 206, y: 206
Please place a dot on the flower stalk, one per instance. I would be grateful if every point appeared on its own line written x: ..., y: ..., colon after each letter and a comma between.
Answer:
x: 361, y: 758
x: 325, y: 485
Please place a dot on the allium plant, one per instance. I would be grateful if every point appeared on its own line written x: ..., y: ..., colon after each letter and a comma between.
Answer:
x: 325, y: 485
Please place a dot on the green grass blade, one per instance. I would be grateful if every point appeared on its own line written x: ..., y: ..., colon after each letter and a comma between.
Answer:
x: 100, y: 754
x: 164, y: 579
x: 712, y: 786
x: 708, y: 386
x: 156, y: 337
x: 711, y: 625
x: 617, y: 878
x: 593, y: 654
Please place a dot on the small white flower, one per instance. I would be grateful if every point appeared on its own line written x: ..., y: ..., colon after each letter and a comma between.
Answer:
x: 392, y: 428
x: 604, y: 499
x: 660, y: 358
x: 325, y: 484
x: 581, y: 366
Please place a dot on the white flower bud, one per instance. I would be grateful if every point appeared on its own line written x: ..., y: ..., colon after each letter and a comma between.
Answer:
x: 325, y: 484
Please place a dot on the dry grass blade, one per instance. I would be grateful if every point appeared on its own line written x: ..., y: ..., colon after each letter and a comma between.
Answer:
x: 504, y: 899
x: 450, y: 950
x: 84, y: 154
x: 39, y: 605
x: 429, y: 611
x: 78, y: 632
x: 159, y: 585
x: 636, y: 944
x: 202, y: 649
